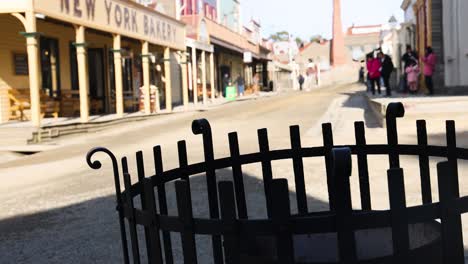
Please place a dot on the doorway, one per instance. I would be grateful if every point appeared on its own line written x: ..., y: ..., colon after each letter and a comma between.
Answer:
x: 50, y: 66
x: 225, y: 78
x: 96, y: 80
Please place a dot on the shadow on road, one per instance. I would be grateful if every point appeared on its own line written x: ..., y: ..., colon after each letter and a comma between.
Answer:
x: 88, y: 232
x: 358, y: 100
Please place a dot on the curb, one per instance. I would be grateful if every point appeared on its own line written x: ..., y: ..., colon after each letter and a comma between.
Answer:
x: 378, y: 110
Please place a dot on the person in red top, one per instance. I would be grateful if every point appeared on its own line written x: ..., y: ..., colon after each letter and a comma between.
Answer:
x: 429, y: 61
x: 373, y: 69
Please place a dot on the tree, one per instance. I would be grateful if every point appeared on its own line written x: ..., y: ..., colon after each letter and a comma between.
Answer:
x: 280, y: 36
x: 299, y: 41
x: 316, y: 38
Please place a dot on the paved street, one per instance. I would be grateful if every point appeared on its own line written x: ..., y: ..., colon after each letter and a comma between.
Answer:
x: 55, y: 209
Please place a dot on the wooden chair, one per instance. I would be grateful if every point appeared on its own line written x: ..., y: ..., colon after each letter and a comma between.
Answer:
x: 19, y: 102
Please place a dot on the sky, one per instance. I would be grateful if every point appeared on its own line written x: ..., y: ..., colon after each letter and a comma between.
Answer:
x: 305, y: 18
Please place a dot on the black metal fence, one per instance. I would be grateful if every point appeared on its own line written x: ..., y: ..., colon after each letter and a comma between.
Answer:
x: 428, y: 233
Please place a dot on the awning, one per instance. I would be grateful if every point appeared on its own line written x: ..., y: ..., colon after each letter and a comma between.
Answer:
x: 226, y: 45
x: 199, y: 45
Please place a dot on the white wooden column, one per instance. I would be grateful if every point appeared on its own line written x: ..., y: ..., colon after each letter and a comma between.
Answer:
x: 185, y: 92
x: 146, y: 76
x: 194, y: 75
x: 212, y: 77
x: 33, y: 66
x: 119, y: 101
x: 190, y: 79
x: 168, y: 76
x: 83, y: 77
x: 203, y: 76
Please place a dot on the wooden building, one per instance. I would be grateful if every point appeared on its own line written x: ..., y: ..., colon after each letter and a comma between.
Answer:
x: 77, y: 57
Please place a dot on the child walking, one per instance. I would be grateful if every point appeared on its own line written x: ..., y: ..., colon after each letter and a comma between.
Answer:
x: 412, y: 76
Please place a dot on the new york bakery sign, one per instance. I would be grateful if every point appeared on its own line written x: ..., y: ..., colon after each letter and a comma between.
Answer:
x: 117, y: 17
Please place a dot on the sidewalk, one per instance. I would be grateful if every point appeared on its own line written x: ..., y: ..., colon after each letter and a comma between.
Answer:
x: 22, y: 137
x: 435, y: 110
x: 421, y: 104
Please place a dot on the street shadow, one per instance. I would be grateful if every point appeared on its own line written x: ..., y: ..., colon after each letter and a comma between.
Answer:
x: 440, y: 139
x: 358, y: 100
x: 88, y: 232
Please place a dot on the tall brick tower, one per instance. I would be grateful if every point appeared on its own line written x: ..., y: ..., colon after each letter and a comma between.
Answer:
x: 338, y: 47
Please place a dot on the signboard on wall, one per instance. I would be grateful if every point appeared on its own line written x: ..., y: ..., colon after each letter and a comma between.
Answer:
x: 203, y: 35
x: 119, y: 17
x: 247, y: 57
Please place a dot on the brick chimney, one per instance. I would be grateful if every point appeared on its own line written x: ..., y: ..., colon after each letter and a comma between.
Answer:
x: 338, y: 49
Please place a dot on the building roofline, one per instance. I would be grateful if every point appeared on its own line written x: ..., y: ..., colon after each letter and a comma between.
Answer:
x: 366, y: 26
x: 174, y: 19
x: 405, y: 4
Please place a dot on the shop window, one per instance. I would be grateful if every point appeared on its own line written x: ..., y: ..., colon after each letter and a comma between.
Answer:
x: 50, y: 66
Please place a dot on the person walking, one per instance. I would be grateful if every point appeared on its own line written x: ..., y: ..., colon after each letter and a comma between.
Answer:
x: 408, y: 59
x: 301, y: 80
x: 256, y: 84
x: 310, y: 72
x: 373, y: 67
x: 429, y: 61
x: 240, y: 85
x: 317, y: 73
x: 386, y: 71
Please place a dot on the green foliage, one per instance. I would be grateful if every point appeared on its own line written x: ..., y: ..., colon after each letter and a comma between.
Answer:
x: 316, y: 38
x: 299, y: 41
x: 280, y: 36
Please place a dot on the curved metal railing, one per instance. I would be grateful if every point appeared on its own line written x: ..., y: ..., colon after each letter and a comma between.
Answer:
x: 229, y: 224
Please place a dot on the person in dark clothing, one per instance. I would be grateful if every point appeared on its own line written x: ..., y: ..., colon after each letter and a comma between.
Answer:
x: 226, y: 83
x: 301, y: 80
x: 408, y: 58
x: 362, y: 75
x: 240, y: 85
x: 386, y: 71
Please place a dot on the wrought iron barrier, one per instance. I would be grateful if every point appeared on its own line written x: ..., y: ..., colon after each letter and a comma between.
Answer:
x: 427, y: 233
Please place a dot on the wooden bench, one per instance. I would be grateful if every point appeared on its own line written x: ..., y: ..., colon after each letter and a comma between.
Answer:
x: 200, y: 91
x: 49, y: 106
x: 70, y: 103
x: 20, y: 101
x: 131, y: 103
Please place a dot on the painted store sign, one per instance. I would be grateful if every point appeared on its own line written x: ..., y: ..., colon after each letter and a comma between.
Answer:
x: 117, y: 17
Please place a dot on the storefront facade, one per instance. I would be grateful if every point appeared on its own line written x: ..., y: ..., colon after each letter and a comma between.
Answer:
x: 454, y: 49
x: 228, y: 56
x: 66, y: 58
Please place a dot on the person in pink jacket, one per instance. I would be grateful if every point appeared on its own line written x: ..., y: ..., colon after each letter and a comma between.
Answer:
x: 412, y: 72
x: 373, y: 69
x: 429, y: 61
